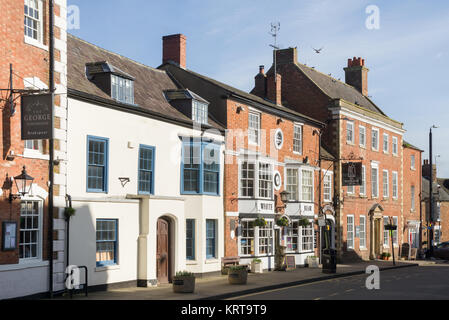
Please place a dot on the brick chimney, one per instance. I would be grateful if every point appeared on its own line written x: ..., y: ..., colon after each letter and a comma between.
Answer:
x: 289, y: 55
x: 260, y: 83
x: 426, y: 170
x: 357, y: 75
x: 274, y: 88
x: 174, y: 49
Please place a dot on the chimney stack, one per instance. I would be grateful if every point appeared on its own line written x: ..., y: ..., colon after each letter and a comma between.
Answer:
x: 274, y: 93
x: 174, y: 49
x: 260, y: 80
x: 426, y: 171
x: 357, y: 75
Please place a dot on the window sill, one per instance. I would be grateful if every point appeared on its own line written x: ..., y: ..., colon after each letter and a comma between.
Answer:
x: 35, y: 43
x: 362, y: 146
x: 24, y: 264
x: 363, y: 196
x: 350, y: 143
x: 107, y: 268
x: 211, y: 261
x: 191, y: 262
x: 33, y: 154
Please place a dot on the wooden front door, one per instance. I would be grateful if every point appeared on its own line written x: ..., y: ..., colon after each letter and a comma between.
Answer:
x: 162, y: 254
x: 377, y: 237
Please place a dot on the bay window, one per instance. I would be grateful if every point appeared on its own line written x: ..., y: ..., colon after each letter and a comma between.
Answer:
x: 256, y: 184
x: 307, y: 185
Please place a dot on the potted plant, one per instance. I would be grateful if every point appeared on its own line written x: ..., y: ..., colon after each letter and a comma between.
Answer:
x: 256, y: 266
x: 312, y: 262
x: 184, y: 282
x: 238, y: 275
x: 69, y: 212
x: 282, y: 222
x: 260, y: 222
x: 385, y: 255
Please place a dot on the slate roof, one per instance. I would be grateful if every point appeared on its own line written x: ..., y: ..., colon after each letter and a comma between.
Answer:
x: 443, y: 191
x: 231, y: 90
x: 326, y: 155
x: 336, y: 89
x: 149, y: 84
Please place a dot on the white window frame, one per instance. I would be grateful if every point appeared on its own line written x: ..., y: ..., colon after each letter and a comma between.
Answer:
x: 302, y: 235
x: 363, y: 182
x: 385, y: 143
x: 256, y: 186
x: 375, y: 147
x: 270, y: 228
x: 312, y: 186
x: 38, y: 257
x: 395, y: 185
x: 300, y: 127
x: 395, y: 146
x: 437, y: 229
x: 362, y: 246
x: 412, y: 198
x: 293, y: 197
x: 39, y: 42
x: 395, y: 232
x: 350, y: 231
x: 254, y: 238
x: 376, y: 167
x: 292, y: 231
x: 413, y: 162
x: 327, y: 195
x: 350, y: 129
x: 362, y: 129
x: 254, y: 132
x: 350, y: 190
x: 385, y: 183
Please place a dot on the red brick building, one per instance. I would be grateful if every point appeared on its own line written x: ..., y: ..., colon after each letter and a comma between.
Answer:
x: 24, y: 63
x: 357, y: 131
x: 269, y: 149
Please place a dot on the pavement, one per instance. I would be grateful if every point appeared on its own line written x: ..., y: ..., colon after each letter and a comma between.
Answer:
x: 218, y: 288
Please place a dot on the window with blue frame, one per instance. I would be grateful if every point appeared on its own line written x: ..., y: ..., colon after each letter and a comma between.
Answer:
x: 211, y: 239
x: 200, y: 168
x: 146, y: 170
x: 106, y: 238
x: 190, y: 239
x: 97, y: 164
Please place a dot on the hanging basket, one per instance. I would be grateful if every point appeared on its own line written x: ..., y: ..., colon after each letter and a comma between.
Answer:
x: 69, y: 212
x: 260, y: 222
x: 282, y: 222
x: 304, y: 222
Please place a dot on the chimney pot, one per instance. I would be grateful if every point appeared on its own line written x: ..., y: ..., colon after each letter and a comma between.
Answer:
x: 357, y: 75
x: 262, y: 69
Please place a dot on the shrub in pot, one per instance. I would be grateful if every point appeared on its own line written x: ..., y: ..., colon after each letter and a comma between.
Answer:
x: 184, y: 282
x: 256, y: 266
x: 238, y: 275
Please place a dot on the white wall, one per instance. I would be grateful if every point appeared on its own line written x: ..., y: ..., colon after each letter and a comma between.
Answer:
x: 137, y: 215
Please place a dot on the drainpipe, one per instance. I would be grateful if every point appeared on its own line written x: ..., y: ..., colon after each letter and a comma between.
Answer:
x: 67, y: 219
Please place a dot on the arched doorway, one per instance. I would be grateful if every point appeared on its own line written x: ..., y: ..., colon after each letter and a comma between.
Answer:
x: 376, y: 217
x: 163, y: 251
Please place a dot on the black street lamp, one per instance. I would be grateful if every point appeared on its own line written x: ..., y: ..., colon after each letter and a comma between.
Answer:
x: 23, y: 184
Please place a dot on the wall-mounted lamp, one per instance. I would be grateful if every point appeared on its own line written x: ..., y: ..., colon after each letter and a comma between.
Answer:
x: 240, y: 109
x: 23, y: 184
x: 280, y: 121
x: 284, y: 199
x: 305, y: 160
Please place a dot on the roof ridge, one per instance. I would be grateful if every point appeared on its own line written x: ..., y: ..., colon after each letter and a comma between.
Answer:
x: 114, y: 53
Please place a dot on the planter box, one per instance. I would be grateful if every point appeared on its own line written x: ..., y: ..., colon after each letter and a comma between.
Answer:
x: 238, y: 277
x: 256, y: 267
x: 184, y: 284
x: 312, y: 262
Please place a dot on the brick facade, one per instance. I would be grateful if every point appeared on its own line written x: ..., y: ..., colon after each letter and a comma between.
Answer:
x: 30, y: 65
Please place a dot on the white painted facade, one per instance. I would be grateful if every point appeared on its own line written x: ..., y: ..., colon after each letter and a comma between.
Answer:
x: 137, y: 215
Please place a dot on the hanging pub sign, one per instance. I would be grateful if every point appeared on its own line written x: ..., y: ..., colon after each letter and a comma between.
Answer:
x: 352, y: 174
x: 37, y: 117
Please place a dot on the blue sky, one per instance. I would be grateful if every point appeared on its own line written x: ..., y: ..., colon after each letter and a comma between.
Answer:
x: 408, y: 56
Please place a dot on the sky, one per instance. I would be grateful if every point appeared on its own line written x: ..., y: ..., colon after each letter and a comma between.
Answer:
x: 406, y: 48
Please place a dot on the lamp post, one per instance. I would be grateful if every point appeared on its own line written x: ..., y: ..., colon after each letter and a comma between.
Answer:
x: 430, y: 229
x: 23, y: 183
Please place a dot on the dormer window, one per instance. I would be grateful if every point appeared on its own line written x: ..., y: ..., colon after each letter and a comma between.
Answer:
x: 117, y: 84
x: 122, y: 89
x: 199, y: 112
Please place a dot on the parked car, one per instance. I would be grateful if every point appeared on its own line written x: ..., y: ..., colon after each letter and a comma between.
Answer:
x: 441, y: 250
